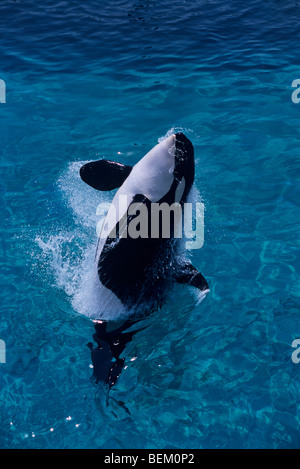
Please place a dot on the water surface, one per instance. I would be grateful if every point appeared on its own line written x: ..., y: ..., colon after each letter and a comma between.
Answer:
x: 93, y: 80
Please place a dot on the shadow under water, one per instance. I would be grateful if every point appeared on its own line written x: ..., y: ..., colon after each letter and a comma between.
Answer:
x: 111, y: 339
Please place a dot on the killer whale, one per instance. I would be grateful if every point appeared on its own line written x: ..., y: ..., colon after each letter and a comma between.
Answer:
x: 137, y: 271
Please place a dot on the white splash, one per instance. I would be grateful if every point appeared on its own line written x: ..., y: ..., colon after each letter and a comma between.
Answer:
x: 70, y: 253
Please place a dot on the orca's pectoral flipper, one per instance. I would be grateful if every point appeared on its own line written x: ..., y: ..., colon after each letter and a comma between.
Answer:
x: 190, y: 275
x: 104, y: 175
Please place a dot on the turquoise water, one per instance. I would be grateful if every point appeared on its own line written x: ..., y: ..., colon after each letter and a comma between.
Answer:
x: 93, y: 80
